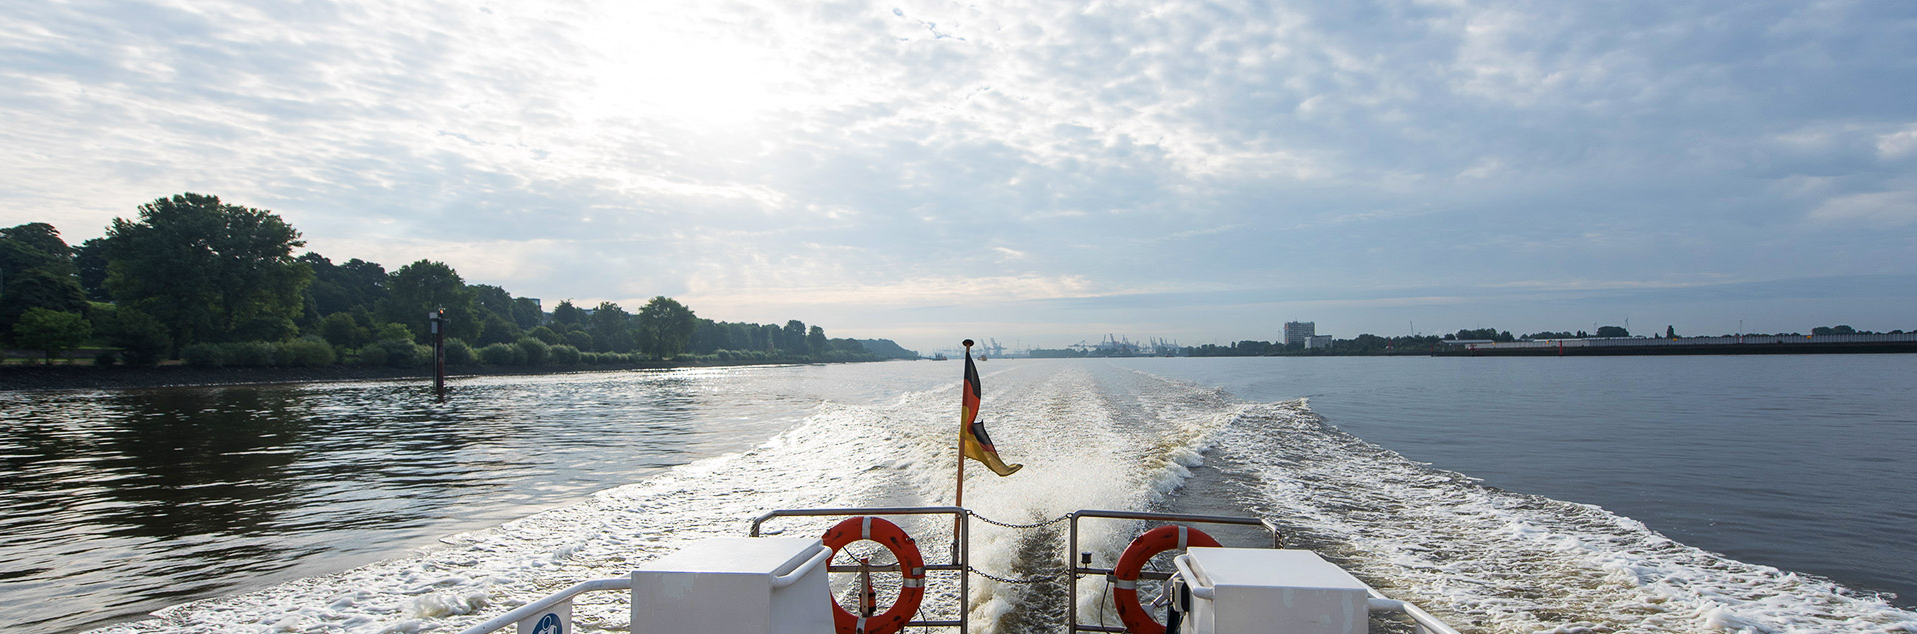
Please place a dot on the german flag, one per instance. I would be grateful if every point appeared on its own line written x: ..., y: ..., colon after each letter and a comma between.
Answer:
x: 972, y: 439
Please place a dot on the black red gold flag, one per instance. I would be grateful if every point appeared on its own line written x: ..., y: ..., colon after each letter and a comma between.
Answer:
x: 973, y: 441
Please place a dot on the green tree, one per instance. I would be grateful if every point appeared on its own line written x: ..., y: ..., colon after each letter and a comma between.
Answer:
x: 39, y: 288
x: 395, y: 331
x: 325, y: 294
x: 535, y: 350
x: 419, y: 288
x: 36, y: 245
x: 492, y: 299
x: 497, y: 329
x: 792, y: 339
x: 580, y: 339
x: 36, y: 271
x: 566, y: 316
x: 340, y: 329
x: 708, y: 337
x: 766, y: 337
x: 365, y: 282
x: 665, y: 327
x: 611, y: 328
x: 51, y: 330
x: 816, y: 342
x: 206, y: 269
x: 141, y: 338
x: 1612, y: 331
x: 546, y: 335
x: 1492, y: 334
x: 526, y: 313
x: 90, y: 260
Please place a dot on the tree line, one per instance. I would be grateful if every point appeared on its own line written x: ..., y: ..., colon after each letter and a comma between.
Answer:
x: 1365, y: 344
x: 211, y: 283
x: 1368, y: 344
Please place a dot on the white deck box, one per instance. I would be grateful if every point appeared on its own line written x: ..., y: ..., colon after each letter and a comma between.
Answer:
x: 735, y: 585
x: 1276, y: 591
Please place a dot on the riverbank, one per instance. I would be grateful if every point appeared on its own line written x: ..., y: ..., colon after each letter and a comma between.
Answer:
x: 1747, y: 344
x: 91, y: 377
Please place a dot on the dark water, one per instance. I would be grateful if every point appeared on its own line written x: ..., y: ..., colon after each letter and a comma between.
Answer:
x: 119, y: 503
x: 128, y: 501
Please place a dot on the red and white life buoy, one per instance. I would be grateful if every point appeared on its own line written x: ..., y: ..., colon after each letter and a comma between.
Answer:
x: 1125, y: 575
x: 911, y: 566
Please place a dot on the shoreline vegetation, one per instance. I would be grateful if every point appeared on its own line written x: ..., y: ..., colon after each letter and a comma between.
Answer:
x: 1609, y: 340
x: 36, y: 377
x: 215, y: 288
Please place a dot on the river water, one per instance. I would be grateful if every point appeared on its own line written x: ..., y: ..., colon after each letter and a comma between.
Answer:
x: 1617, y: 494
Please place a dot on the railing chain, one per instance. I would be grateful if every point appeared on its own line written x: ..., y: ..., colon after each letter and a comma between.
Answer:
x: 1007, y: 579
x: 1043, y: 524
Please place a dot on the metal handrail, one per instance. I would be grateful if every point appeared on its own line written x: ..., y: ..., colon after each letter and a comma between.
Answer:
x: 1426, y: 623
x: 1199, y: 584
x: 1071, y: 603
x: 509, y: 618
x: 787, y: 579
x: 1201, y: 587
x: 961, y: 552
x: 961, y: 547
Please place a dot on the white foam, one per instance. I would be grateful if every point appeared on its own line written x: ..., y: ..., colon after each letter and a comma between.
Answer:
x: 1511, y: 562
x: 822, y: 462
x: 1490, y: 560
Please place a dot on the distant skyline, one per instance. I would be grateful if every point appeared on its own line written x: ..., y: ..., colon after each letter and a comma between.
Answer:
x: 1039, y: 173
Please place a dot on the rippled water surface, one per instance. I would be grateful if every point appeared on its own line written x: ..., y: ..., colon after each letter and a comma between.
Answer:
x: 117, y: 503
x: 1509, y: 495
x: 1803, y: 462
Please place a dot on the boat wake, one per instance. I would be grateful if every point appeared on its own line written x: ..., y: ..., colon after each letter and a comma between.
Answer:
x: 1090, y: 437
x: 1510, y: 562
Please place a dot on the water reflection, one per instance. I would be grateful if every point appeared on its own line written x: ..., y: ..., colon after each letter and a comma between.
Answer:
x: 129, y: 501
x: 198, y: 462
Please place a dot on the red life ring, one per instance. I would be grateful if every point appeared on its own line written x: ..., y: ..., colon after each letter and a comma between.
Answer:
x: 1125, y: 575
x: 911, y: 566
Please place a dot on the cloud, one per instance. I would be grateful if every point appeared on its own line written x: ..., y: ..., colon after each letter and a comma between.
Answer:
x: 863, y: 305
x: 776, y: 157
x: 1898, y: 144
x: 1871, y: 210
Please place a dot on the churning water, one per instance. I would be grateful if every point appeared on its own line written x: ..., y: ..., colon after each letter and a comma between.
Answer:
x: 367, y: 508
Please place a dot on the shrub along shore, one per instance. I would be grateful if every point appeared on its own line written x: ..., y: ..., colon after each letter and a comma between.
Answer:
x: 35, y: 377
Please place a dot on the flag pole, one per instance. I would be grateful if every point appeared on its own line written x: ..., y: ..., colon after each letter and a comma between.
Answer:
x: 959, y: 499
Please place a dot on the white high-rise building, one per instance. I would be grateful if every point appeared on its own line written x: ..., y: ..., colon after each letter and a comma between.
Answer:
x: 1296, y: 332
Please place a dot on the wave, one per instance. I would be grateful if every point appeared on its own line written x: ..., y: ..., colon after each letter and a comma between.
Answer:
x: 1502, y: 561
x: 1090, y: 437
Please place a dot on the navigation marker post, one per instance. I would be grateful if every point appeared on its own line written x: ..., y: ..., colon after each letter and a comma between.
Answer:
x: 438, y: 319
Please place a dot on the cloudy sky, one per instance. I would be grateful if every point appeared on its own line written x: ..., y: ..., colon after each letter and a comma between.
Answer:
x: 1035, y: 173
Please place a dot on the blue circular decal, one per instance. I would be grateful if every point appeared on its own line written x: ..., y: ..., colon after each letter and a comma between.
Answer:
x: 549, y: 624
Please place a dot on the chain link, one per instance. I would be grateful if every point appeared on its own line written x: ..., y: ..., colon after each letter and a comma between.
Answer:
x: 1005, y: 579
x: 994, y: 522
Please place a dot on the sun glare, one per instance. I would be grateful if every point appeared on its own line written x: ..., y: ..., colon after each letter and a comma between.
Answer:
x: 700, y: 75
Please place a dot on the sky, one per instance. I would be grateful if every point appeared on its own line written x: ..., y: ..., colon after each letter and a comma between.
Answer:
x: 1036, y: 173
